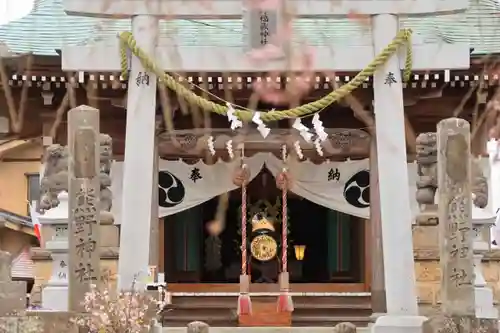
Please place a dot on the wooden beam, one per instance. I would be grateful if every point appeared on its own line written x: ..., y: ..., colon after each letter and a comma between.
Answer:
x: 194, y: 141
x: 20, y: 228
x: 411, y: 137
x: 9, y: 145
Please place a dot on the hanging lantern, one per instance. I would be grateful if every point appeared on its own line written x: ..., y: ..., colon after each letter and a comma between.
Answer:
x: 299, y: 252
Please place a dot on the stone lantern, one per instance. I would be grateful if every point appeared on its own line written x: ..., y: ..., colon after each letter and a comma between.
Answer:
x: 482, y: 221
x: 55, y: 294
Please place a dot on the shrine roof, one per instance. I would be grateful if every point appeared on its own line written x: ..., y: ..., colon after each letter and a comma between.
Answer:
x: 7, y: 216
x: 47, y: 28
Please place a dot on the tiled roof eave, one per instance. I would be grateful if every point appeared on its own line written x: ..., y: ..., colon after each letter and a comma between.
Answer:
x: 7, y: 216
x: 47, y: 28
x: 244, y: 81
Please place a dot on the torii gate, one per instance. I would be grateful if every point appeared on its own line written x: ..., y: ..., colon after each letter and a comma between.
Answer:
x: 395, y: 209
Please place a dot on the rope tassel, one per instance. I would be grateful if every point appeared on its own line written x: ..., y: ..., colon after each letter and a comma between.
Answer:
x: 244, y: 304
x: 285, y: 302
x: 244, y: 301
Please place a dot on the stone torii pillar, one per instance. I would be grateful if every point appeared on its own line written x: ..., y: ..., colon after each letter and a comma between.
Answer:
x: 395, y: 208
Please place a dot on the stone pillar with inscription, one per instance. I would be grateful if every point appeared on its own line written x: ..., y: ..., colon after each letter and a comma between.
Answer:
x: 55, y: 294
x: 84, y: 203
x: 455, y: 216
x: 455, y: 231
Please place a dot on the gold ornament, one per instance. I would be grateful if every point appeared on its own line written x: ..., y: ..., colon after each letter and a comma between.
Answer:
x: 263, y: 247
x: 261, y: 223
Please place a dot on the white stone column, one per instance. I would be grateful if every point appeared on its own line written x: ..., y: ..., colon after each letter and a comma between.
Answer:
x: 138, y: 177
x: 482, y: 220
x: 55, y: 294
x: 395, y: 209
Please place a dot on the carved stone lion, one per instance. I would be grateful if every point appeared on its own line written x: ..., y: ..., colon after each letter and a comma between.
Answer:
x: 427, y: 182
x: 55, y: 178
x: 106, y: 157
x: 427, y: 168
x: 479, y: 185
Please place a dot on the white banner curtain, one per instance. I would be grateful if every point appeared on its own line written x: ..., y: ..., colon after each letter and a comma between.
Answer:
x: 340, y: 186
x: 183, y: 186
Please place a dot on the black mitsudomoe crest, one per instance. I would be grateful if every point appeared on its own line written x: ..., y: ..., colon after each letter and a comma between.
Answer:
x: 357, y: 189
x: 171, y: 191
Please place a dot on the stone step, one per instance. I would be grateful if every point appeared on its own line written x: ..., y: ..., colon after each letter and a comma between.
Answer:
x: 207, y: 311
x: 220, y: 310
x: 298, y: 306
x: 333, y: 312
x: 215, y: 317
x: 332, y: 306
x: 226, y: 329
x: 344, y: 300
x: 201, y: 305
x: 298, y: 320
x: 214, y: 320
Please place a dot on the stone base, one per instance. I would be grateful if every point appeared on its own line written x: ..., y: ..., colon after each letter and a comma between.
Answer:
x: 484, y: 303
x: 54, y: 321
x: 55, y: 298
x: 486, y: 325
x: 375, y: 316
x: 398, y: 324
x: 21, y: 324
x: 109, y: 236
x: 429, y: 217
x: 13, y: 297
x: 460, y: 324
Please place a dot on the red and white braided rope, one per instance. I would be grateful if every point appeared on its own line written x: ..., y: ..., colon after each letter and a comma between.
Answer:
x: 243, y: 228
x: 284, y: 224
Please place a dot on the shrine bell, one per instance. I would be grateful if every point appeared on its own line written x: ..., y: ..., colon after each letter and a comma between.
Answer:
x: 263, y: 239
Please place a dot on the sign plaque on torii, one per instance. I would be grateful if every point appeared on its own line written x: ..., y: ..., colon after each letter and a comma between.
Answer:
x: 388, y: 103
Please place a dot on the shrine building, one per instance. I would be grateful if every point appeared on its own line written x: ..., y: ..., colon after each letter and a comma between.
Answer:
x: 332, y: 221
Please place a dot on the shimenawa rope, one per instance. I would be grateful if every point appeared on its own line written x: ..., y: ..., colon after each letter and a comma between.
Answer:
x: 403, y: 37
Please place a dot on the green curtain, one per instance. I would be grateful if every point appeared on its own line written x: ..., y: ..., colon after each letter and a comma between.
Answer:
x: 188, y: 239
x: 339, y: 239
